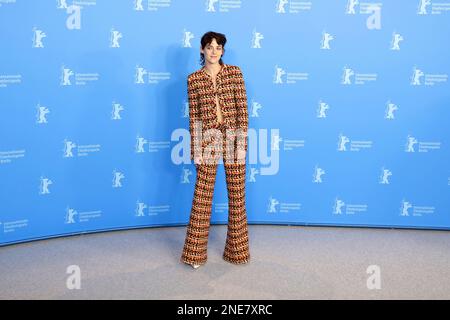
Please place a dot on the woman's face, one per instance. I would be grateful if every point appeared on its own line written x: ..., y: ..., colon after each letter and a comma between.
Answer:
x: 213, y: 52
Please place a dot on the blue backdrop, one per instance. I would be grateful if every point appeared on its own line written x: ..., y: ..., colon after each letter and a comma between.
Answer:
x: 348, y: 112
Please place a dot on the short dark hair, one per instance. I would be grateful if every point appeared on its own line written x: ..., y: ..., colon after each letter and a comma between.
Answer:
x: 207, y: 39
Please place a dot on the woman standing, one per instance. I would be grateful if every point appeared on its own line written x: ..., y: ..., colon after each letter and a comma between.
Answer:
x: 217, y: 108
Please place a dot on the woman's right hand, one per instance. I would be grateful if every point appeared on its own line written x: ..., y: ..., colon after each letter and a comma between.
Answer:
x: 198, y: 160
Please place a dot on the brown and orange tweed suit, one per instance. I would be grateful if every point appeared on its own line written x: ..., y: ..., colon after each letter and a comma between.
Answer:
x: 232, y: 97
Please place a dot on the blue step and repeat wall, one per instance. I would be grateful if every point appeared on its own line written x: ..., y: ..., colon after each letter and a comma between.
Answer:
x: 349, y: 109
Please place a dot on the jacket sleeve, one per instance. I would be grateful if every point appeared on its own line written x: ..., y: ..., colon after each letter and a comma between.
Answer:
x: 240, y: 95
x: 194, y: 117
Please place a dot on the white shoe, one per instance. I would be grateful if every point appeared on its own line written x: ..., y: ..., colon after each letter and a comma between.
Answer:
x: 195, y: 266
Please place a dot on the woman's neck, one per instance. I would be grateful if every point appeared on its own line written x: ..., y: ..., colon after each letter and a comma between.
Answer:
x: 213, y: 68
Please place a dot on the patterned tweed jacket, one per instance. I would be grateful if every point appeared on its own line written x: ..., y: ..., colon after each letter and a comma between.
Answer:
x: 232, y: 97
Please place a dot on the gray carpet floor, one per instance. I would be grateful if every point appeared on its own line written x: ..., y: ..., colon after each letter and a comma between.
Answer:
x: 287, y: 262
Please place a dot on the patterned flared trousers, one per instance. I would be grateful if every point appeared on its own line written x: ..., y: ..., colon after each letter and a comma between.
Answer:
x: 237, y: 242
